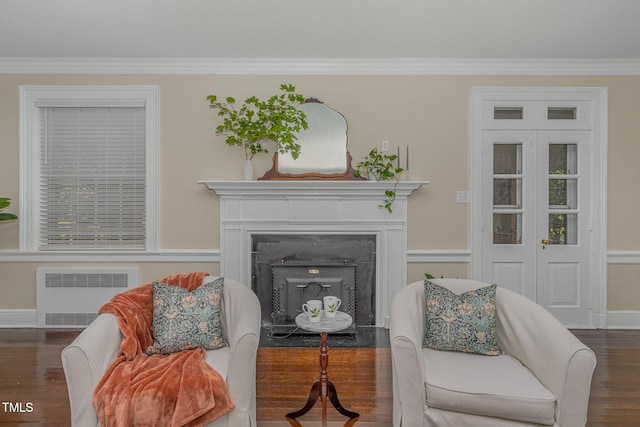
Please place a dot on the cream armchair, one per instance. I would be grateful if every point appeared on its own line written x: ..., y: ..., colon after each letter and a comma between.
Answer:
x: 87, y: 358
x: 543, y: 379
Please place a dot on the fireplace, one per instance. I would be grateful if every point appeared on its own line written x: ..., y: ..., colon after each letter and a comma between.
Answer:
x: 295, y: 283
x: 313, y: 208
x: 289, y: 269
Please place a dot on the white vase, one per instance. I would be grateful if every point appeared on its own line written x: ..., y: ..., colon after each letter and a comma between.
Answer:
x: 247, y: 173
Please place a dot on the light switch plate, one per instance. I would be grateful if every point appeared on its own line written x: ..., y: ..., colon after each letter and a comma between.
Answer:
x: 462, y: 197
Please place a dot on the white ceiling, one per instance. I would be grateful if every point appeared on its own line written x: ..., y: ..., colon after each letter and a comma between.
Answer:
x: 338, y: 29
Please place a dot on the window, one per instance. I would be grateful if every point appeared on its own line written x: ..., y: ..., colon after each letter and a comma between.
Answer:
x: 508, y: 113
x: 88, y: 169
x: 562, y: 113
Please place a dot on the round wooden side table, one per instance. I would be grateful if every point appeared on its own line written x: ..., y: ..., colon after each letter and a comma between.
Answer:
x: 323, y: 388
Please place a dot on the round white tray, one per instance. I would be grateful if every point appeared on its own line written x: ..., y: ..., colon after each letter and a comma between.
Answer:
x: 334, y: 324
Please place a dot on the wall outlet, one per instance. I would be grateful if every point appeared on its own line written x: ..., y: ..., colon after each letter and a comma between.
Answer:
x: 384, y: 145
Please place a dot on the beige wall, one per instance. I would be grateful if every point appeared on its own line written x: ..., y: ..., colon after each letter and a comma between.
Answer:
x: 430, y: 113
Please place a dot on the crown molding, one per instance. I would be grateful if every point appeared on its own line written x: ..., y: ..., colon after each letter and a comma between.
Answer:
x: 321, y: 66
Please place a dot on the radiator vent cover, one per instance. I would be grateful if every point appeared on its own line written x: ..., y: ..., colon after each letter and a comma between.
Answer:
x: 68, y: 320
x: 88, y: 280
x: 71, y: 297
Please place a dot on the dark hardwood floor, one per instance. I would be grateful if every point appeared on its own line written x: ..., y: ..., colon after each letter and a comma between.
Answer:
x: 33, y: 389
x: 615, y: 387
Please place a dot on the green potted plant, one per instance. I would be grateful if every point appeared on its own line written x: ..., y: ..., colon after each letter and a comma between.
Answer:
x: 256, y: 123
x: 4, y: 202
x: 380, y: 167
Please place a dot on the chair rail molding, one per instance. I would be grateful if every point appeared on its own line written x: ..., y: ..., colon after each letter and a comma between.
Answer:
x: 164, y: 256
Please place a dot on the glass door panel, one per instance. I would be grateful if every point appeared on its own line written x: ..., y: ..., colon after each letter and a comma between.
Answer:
x: 563, y: 194
x: 563, y: 229
x: 507, y: 158
x: 563, y: 159
x: 507, y: 229
x: 507, y: 194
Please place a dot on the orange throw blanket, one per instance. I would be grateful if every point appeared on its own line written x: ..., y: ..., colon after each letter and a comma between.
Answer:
x: 178, y: 389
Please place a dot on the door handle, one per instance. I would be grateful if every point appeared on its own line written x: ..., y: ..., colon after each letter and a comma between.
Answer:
x: 544, y: 242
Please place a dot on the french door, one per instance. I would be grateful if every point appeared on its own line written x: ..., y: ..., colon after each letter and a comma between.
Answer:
x: 537, y: 211
x: 536, y: 194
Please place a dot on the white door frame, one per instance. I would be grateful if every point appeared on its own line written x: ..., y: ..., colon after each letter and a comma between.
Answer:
x: 598, y: 96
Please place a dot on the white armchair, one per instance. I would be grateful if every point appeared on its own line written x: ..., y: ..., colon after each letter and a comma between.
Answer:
x: 543, y: 378
x: 87, y: 358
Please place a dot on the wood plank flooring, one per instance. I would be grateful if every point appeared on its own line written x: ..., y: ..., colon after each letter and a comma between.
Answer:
x: 362, y: 377
x: 615, y: 387
x: 31, y: 372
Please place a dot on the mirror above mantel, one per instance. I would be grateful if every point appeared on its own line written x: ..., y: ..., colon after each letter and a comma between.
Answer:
x: 323, y: 148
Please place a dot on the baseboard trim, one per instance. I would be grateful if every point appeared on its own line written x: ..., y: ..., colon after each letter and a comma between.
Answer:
x: 623, y: 319
x: 17, y: 318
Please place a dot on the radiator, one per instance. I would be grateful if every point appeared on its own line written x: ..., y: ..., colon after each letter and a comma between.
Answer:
x: 71, y: 297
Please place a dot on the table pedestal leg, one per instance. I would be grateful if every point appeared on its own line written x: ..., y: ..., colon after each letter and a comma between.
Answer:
x: 322, y: 389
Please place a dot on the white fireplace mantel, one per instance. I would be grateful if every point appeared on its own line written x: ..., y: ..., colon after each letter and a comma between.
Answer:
x: 250, y: 208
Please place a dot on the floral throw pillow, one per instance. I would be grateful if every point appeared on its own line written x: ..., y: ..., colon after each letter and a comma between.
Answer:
x: 465, y: 322
x: 184, y: 320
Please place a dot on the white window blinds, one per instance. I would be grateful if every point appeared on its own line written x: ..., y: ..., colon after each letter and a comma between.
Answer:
x: 92, y: 178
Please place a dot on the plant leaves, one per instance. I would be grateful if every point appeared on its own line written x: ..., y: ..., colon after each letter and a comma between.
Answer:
x: 276, y: 119
x: 7, y: 216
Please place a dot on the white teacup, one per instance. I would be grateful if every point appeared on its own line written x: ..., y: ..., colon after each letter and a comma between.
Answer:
x: 331, y: 304
x: 313, y: 308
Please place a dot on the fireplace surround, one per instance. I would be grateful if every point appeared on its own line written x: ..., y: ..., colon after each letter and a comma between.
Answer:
x: 323, y: 207
x: 289, y: 269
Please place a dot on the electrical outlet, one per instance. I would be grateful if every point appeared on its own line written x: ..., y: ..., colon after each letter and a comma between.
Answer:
x: 384, y: 145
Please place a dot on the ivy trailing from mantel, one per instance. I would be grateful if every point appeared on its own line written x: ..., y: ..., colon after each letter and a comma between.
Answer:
x: 380, y: 167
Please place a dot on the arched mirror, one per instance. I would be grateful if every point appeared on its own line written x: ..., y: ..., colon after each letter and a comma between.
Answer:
x: 323, y: 148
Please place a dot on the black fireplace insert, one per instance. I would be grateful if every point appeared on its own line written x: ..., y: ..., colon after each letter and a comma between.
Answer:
x: 288, y: 270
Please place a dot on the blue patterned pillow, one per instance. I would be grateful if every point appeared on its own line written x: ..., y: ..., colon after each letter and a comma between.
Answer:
x: 465, y: 322
x: 183, y: 320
